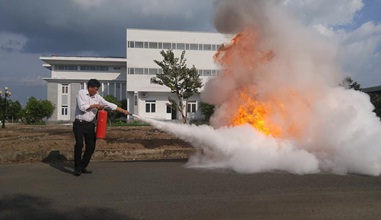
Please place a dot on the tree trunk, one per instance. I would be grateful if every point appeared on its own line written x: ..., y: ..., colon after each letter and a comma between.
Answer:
x: 181, y: 108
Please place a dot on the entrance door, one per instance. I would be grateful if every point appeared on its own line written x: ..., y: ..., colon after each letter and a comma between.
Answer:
x: 173, y: 114
x: 171, y: 111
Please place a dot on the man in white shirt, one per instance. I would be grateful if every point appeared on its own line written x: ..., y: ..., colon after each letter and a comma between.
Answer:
x: 88, y: 104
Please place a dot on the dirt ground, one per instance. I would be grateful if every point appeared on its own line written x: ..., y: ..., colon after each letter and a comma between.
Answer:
x: 27, y: 138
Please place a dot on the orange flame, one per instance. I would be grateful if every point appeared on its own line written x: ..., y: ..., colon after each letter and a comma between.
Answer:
x: 244, y: 51
x: 243, y: 47
x: 283, y: 111
x: 256, y: 114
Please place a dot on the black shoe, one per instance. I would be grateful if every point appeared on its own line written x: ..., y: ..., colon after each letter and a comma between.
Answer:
x: 77, y: 172
x: 84, y: 170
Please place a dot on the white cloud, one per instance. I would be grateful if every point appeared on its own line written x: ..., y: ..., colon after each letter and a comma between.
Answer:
x: 23, y: 74
x: 32, y: 80
x: 359, y: 46
x: 147, y: 7
x: 324, y: 30
x: 326, y: 12
x: 362, y: 59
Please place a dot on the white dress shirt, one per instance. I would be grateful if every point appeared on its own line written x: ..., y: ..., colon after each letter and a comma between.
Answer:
x: 84, y: 100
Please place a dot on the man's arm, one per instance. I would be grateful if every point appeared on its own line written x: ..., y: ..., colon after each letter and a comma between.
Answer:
x: 122, y: 111
x: 97, y: 106
x: 83, y: 103
x: 114, y: 107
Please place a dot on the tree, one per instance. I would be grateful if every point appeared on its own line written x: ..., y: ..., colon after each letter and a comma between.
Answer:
x: 350, y: 84
x: 113, y: 115
x: 36, y: 110
x: 182, y: 81
x: 14, y: 110
x: 375, y: 99
x: 207, y: 110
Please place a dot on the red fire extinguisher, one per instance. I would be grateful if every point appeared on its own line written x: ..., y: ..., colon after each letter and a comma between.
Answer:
x: 101, y: 124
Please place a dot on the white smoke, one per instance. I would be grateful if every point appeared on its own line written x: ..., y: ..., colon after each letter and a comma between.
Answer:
x: 337, y: 130
x: 240, y: 148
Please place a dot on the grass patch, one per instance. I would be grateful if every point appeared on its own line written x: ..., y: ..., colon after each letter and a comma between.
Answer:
x: 128, y: 123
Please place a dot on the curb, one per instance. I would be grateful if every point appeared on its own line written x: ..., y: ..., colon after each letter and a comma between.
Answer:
x: 100, y: 155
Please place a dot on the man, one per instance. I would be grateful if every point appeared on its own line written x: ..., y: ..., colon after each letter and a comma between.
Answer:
x: 88, y: 104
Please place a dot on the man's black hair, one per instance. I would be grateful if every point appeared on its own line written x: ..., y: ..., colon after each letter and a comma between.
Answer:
x: 93, y: 83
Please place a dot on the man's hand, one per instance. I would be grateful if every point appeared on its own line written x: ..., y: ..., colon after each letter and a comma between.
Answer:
x: 98, y: 106
x: 123, y: 111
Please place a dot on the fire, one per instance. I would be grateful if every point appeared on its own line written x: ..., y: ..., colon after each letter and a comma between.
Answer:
x: 256, y: 114
x: 243, y: 47
x: 244, y: 53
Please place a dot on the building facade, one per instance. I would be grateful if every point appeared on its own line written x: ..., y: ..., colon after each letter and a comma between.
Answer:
x: 130, y: 78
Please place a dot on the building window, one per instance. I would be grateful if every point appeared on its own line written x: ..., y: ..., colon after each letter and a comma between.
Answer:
x: 139, y: 71
x: 192, y: 107
x: 138, y: 44
x: 180, y: 46
x: 131, y: 71
x: 65, y: 88
x: 150, y: 106
x: 169, y: 108
x: 131, y: 44
x: 64, y: 110
x: 65, y: 67
x: 152, y: 71
x: 193, y: 46
x: 153, y: 45
x: 207, y: 47
x: 136, y: 99
x: 167, y: 46
x: 174, y: 46
x: 93, y: 68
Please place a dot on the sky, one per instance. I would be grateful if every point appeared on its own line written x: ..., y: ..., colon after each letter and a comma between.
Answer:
x: 31, y: 29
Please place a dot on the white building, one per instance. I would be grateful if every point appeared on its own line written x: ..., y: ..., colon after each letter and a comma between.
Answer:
x: 131, y: 78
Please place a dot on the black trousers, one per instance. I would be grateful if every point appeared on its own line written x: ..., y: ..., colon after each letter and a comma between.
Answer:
x: 83, y: 131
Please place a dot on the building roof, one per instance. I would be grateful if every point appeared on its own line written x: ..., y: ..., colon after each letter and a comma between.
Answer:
x: 373, y: 90
x: 82, y: 60
x: 79, y: 59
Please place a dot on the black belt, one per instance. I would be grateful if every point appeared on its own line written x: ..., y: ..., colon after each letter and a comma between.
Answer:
x: 82, y: 121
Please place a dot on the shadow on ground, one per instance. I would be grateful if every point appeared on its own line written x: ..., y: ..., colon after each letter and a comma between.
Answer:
x: 153, y: 143
x: 58, y: 161
x: 23, y: 206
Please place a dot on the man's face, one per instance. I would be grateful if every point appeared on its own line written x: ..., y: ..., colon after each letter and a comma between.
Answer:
x: 93, y: 90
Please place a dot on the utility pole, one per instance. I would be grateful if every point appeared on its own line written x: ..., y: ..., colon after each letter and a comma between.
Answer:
x: 6, y: 94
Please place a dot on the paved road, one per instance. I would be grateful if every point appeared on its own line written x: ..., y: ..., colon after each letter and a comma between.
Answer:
x: 168, y: 190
